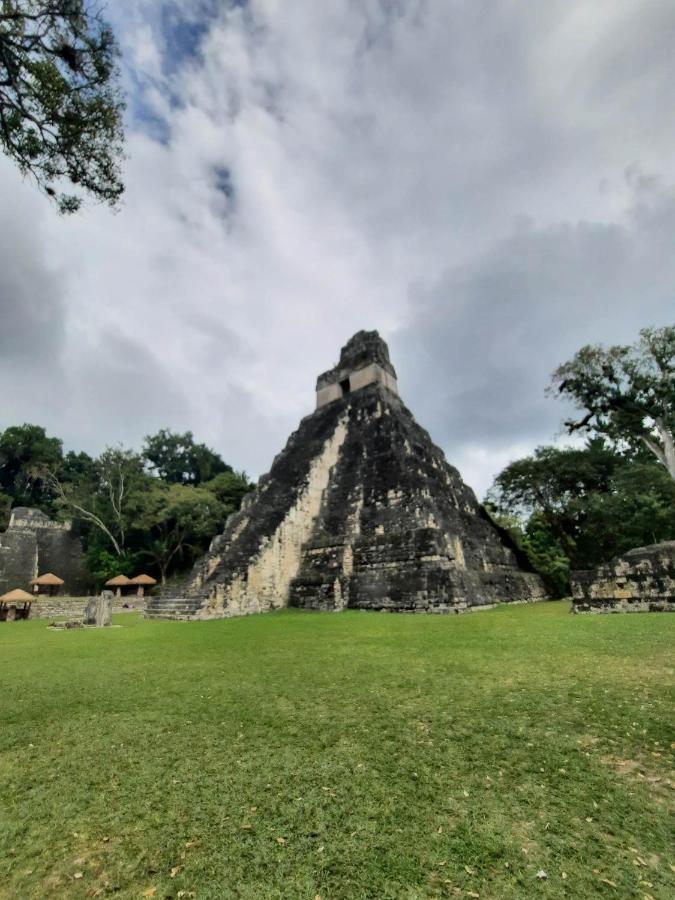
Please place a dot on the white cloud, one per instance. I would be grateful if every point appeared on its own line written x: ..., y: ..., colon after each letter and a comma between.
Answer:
x: 298, y: 171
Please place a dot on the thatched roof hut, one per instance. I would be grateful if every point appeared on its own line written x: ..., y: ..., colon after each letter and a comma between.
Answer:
x: 47, y: 584
x: 117, y: 581
x: 142, y: 582
x: 16, y: 596
x: 120, y: 583
x: 9, y: 601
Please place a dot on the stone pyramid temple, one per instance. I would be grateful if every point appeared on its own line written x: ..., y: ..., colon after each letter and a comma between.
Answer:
x: 360, y: 510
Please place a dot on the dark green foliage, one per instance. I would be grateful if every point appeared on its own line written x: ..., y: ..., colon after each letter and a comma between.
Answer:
x: 60, y: 104
x: 626, y: 393
x: 5, y: 507
x: 577, y: 508
x: 26, y: 456
x: 177, y: 459
x: 538, y: 541
x: 102, y: 564
x: 175, y: 524
x: 638, y: 509
x: 77, y: 467
x: 230, y: 488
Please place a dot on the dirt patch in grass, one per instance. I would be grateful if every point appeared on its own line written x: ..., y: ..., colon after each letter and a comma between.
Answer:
x: 660, y: 784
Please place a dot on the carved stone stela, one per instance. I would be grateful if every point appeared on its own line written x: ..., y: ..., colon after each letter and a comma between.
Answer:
x: 360, y: 510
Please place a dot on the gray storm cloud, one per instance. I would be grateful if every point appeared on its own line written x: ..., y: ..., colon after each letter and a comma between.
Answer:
x: 490, y: 185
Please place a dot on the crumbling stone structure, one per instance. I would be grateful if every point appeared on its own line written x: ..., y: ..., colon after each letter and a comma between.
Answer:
x: 34, y: 544
x: 642, y: 580
x: 361, y: 511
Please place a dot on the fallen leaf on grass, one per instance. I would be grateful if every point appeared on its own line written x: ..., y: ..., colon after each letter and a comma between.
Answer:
x: 246, y: 827
x: 281, y: 840
x: 176, y: 870
x: 78, y: 875
x: 472, y: 894
x: 469, y: 870
x: 607, y: 881
x: 150, y: 892
x: 541, y: 875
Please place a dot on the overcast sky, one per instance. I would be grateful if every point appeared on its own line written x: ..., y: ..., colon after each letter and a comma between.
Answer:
x: 491, y: 184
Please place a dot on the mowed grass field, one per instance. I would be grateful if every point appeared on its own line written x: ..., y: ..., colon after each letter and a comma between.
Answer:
x: 352, y: 755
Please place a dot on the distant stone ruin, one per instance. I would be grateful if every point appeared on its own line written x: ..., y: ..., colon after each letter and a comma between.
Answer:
x: 34, y: 544
x: 642, y: 580
x: 360, y: 511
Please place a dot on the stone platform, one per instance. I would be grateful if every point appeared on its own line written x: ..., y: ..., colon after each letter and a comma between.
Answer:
x: 642, y: 580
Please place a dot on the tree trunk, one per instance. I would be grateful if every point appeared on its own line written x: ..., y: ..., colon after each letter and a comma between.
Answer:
x: 665, y: 452
x: 668, y: 448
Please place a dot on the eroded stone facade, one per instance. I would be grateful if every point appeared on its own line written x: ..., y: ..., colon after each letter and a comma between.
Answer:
x: 360, y: 510
x: 642, y: 580
x: 33, y: 545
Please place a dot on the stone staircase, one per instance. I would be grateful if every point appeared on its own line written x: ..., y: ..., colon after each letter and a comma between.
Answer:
x: 162, y: 607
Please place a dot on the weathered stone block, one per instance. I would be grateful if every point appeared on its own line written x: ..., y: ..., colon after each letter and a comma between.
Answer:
x: 642, y: 580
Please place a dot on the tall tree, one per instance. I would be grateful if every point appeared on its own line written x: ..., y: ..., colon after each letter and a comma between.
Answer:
x: 60, y: 102
x: 553, y: 483
x: 179, y: 459
x: 109, y: 497
x: 626, y: 393
x: 26, y: 455
x: 178, y: 522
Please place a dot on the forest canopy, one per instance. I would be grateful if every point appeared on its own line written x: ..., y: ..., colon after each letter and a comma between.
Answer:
x: 155, y: 510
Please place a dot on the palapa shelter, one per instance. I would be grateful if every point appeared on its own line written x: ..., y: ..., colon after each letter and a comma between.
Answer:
x: 120, y: 583
x: 142, y: 582
x: 49, y: 584
x: 10, y: 602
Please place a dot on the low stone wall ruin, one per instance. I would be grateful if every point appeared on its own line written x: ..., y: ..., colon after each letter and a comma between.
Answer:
x: 642, y: 580
x: 73, y: 607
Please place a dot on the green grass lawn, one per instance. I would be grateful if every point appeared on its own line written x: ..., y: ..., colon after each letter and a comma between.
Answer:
x: 351, y: 755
